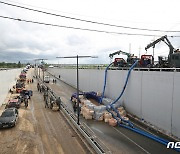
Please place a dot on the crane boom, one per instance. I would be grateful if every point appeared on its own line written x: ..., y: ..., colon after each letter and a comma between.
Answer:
x: 119, y: 52
x: 165, y: 40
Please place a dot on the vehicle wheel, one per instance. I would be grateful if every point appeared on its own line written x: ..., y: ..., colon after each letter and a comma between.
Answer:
x: 14, y: 124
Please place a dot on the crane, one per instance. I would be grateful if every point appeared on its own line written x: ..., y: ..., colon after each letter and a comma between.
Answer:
x: 120, y: 61
x: 173, y: 59
x: 119, y: 52
x: 165, y: 40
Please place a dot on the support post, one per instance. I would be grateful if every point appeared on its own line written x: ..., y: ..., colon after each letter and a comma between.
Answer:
x: 78, y: 109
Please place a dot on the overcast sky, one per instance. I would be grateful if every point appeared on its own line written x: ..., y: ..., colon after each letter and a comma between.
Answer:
x: 27, y: 41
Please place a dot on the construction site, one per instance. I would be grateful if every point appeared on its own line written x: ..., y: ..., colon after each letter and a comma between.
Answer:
x: 89, y: 77
x: 54, y: 121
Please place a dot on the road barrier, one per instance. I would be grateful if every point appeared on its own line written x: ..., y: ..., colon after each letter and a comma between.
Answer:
x: 85, y: 131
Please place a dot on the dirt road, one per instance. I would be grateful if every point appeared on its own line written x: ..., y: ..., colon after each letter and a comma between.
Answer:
x: 40, y: 130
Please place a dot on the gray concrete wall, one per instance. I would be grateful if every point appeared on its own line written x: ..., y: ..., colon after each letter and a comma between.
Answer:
x: 152, y: 96
x: 7, y: 80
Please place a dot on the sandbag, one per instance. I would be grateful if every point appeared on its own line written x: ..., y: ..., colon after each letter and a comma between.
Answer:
x: 81, y: 97
x: 88, y: 116
x: 112, y: 122
x: 99, y: 93
x: 122, y: 113
x: 101, y: 118
x: 126, y: 118
x: 100, y: 108
x: 98, y: 115
x: 107, y: 101
x: 120, y: 109
x: 107, y: 116
x: 114, y: 113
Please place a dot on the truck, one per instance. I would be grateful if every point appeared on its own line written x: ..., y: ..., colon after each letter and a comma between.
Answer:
x: 173, y: 59
x: 46, y: 79
x: 120, y: 62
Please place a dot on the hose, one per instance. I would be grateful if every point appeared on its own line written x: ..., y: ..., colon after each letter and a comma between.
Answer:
x: 127, y: 78
x: 105, y: 79
x: 126, y: 123
x: 141, y: 132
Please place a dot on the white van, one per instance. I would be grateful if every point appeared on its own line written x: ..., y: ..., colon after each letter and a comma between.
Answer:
x: 46, y: 79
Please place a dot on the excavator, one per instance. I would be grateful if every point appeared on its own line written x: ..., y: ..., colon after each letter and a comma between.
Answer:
x: 173, y: 59
x: 120, y: 62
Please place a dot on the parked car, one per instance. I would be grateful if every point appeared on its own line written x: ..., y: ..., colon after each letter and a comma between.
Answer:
x: 13, y: 103
x: 9, y: 118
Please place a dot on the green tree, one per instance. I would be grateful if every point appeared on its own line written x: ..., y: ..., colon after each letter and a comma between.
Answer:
x: 19, y: 64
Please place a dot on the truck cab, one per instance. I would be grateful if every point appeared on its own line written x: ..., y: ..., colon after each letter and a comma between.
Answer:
x: 46, y: 79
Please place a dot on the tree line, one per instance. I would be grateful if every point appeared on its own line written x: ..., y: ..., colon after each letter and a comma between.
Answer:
x: 11, y: 65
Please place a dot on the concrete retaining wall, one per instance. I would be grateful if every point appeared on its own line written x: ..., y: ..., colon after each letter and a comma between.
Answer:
x: 7, y: 80
x: 152, y: 96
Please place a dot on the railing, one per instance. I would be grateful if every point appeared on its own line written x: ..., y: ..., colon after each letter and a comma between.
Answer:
x: 103, y: 67
x: 85, y: 131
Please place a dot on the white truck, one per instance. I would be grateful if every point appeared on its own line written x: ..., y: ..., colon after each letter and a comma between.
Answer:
x: 46, y: 79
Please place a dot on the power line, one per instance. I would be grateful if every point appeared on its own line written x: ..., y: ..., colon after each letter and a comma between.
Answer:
x: 95, y: 17
x: 89, y: 21
x: 78, y: 28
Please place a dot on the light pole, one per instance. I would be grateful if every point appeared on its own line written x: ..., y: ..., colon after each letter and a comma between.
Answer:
x: 77, y: 69
x: 42, y: 61
x: 36, y: 68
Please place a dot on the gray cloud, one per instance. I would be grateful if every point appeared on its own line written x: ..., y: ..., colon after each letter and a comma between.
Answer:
x: 15, y: 56
x: 75, y: 40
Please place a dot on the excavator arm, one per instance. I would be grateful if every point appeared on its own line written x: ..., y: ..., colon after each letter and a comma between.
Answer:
x: 120, y: 52
x: 165, y: 40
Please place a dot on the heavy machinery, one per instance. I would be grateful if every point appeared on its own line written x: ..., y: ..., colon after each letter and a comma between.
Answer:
x: 120, y: 62
x: 146, y: 61
x: 173, y: 59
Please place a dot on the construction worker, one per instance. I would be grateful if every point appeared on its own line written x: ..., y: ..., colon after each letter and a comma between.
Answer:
x: 38, y: 87
x: 58, y: 102
x: 45, y: 94
x: 41, y: 88
x: 11, y: 91
x: 46, y: 99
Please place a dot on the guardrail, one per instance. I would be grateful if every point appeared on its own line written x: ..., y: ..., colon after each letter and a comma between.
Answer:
x: 85, y: 131
x: 147, y: 69
x: 126, y: 68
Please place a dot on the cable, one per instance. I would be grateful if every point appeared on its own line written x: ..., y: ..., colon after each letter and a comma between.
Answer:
x: 83, y: 20
x: 78, y: 28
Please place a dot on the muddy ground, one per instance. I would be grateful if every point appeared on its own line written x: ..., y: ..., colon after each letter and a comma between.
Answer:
x: 40, y: 130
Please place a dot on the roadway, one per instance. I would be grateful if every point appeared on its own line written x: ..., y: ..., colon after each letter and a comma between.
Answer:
x: 116, y: 139
x: 40, y: 130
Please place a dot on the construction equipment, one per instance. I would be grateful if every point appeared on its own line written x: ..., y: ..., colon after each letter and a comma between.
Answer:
x: 173, y: 59
x: 120, y: 62
x: 146, y: 61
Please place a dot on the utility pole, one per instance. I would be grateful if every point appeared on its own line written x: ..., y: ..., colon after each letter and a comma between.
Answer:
x: 129, y: 47
x: 42, y: 62
x: 139, y: 52
x: 77, y: 77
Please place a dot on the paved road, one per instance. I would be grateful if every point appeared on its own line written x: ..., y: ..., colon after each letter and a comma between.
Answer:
x: 117, y: 139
